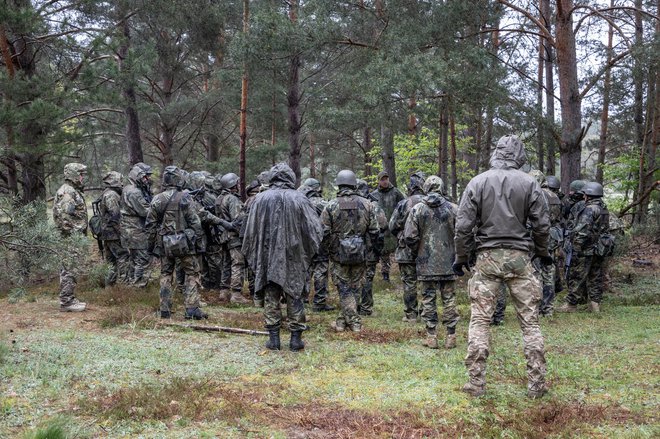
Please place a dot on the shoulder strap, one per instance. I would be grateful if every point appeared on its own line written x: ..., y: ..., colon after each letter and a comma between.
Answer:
x: 161, y: 217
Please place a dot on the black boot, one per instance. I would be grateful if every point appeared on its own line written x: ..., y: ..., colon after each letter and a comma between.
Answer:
x: 273, y: 342
x: 165, y: 314
x: 195, y: 313
x: 296, y: 344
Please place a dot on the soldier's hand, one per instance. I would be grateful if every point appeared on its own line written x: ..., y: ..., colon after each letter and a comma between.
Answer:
x: 458, y: 267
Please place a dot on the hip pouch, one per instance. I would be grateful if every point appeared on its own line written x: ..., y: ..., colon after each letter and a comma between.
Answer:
x: 352, y: 251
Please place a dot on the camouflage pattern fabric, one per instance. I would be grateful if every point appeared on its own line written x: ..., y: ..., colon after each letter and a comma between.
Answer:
x: 408, y: 273
x: 348, y: 279
x: 592, y: 221
x: 214, y: 259
x: 319, y: 271
x: 397, y: 225
x: 366, y: 299
x: 118, y: 261
x: 134, y: 208
x: 191, y: 284
x: 387, y: 199
x: 139, y: 263
x: 513, y: 267
x: 500, y: 306
x: 295, y: 310
x: 116, y: 256
x: 430, y: 309
x: 547, y: 275
x: 585, y: 277
x: 237, y: 269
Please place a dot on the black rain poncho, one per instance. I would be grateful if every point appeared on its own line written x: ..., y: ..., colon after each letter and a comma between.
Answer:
x: 282, y: 235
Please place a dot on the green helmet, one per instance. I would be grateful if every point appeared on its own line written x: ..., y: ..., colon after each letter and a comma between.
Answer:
x: 173, y: 177
x: 417, y: 181
x: 73, y: 171
x: 539, y: 176
x: 553, y: 182
x: 346, y: 178
x: 196, y: 181
x: 593, y: 189
x: 313, y: 183
x: 229, y: 180
x: 434, y: 184
x: 112, y: 179
x: 264, y: 178
x: 362, y: 188
x: 577, y: 186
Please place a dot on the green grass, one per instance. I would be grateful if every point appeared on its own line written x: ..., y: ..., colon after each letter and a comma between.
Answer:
x: 128, y: 378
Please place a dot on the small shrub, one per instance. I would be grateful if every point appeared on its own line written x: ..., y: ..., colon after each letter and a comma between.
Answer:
x: 52, y: 429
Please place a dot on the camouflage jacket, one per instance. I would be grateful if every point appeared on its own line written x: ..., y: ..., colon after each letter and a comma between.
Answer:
x: 70, y: 210
x: 375, y: 248
x: 319, y: 204
x: 204, y: 205
x: 554, y: 207
x: 398, y: 224
x: 388, y: 199
x: 230, y: 208
x: 429, y: 233
x: 173, y: 211
x: 110, y: 210
x: 134, y: 208
x: 592, y: 221
x: 348, y: 215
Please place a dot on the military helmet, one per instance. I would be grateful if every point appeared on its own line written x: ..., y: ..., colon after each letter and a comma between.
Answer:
x: 172, y: 176
x: 434, y: 184
x: 312, y: 182
x: 417, y: 181
x: 138, y: 172
x: 346, y: 178
x: 264, y: 178
x: 539, y: 176
x: 593, y: 189
x: 217, y: 183
x: 229, y: 180
x: 73, y: 171
x: 252, y: 187
x: 362, y: 188
x: 553, y: 182
x: 146, y: 168
x: 112, y: 179
x: 577, y: 186
x: 196, y: 181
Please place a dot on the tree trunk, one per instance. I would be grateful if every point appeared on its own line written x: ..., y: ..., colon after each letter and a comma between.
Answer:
x: 133, y: 141
x: 638, y: 112
x: 244, y: 102
x: 387, y: 140
x: 412, y: 120
x: 549, y: 90
x: 9, y: 161
x: 366, y: 146
x: 452, y: 155
x: 540, y: 128
x: 490, y: 111
x: 293, y: 101
x: 443, y: 140
x: 602, y: 147
x: 571, y: 103
x: 312, y: 156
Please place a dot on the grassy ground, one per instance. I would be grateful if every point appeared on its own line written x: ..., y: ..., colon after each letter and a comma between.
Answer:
x: 113, y: 371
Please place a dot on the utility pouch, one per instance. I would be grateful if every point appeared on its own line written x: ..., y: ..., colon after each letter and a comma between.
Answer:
x: 352, y: 251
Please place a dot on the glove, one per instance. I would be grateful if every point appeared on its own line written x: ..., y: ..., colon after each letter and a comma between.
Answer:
x: 546, y: 261
x: 458, y: 268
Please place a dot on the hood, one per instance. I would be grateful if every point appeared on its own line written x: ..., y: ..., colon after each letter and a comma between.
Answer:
x: 434, y: 184
x: 112, y: 179
x: 509, y: 153
x: 539, y: 177
x: 75, y: 173
x: 362, y: 188
x: 281, y: 175
x: 434, y: 199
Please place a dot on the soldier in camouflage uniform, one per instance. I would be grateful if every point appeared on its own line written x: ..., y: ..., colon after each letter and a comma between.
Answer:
x: 403, y: 254
x: 229, y: 207
x: 555, y: 186
x: 116, y: 256
x: 70, y: 217
x: 387, y: 197
x: 311, y: 188
x: 429, y: 234
x: 135, y: 199
x: 172, y: 212
x: 251, y: 190
x: 573, y: 204
x: 366, y: 299
x: 499, y: 203
x: 586, y: 269
x: 347, y: 222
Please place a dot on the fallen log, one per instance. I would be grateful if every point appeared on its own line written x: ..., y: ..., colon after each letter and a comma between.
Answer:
x: 217, y: 329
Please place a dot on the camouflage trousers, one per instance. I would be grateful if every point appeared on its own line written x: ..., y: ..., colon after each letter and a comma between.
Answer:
x: 500, y: 307
x: 430, y: 309
x: 348, y: 279
x: 68, y: 284
x: 319, y: 276
x: 118, y: 261
x: 548, y: 277
x: 366, y: 302
x: 190, y: 267
x: 409, y: 279
x: 295, y: 310
x: 234, y: 262
x: 140, y: 260
x: 585, y: 277
x: 514, y: 268
x: 385, y: 263
x: 217, y: 269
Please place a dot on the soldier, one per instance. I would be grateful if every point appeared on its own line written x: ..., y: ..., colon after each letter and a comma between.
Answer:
x: 347, y: 222
x: 110, y: 209
x: 403, y: 255
x: 573, y: 204
x: 366, y: 300
x: 429, y: 234
x: 70, y: 217
x: 175, y: 234
x: 311, y: 188
x: 555, y: 186
x: 586, y: 269
x: 387, y: 197
x: 252, y: 190
x: 282, y: 234
x: 135, y: 200
x: 499, y: 203
x: 228, y: 206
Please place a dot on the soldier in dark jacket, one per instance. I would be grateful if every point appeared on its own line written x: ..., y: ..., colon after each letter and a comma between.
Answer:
x: 403, y: 254
x: 282, y: 235
x: 135, y: 199
x: 387, y: 197
x: 500, y: 203
x: 116, y: 256
x: 429, y: 233
x: 171, y: 221
x: 349, y: 224
x: 586, y: 269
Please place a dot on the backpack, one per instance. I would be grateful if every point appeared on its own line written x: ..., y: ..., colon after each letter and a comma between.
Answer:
x: 605, y: 245
x: 95, y: 222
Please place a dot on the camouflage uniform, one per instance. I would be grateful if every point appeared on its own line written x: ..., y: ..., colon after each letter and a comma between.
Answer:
x: 135, y: 199
x: 251, y: 190
x: 404, y: 255
x: 173, y: 211
x: 586, y: 269
x: 345, y: 216
x: 429, y: 234
x: 116, y: 256
x: 230, y: 208
x: 70, y: 217
x: 219, y: 268
x: 500, y: 203
x: 387, y: 198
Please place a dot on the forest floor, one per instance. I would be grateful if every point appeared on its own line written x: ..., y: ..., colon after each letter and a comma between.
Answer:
x: 114, y: 371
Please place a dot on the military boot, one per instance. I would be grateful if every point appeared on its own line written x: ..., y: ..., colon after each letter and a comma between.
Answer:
x: 450, y: 341
x: 409, y: 318
x: 356, y: 327
x: 338, y: 326
x: 296, y: 344
x: 74, y: 306
x: 567, y: 307
x: 273, y: 342
x: 237, y: 297
x: 165, y: 315
x: 594, y: 307
x: 323, y: 308
x: 431, y: 340
x: 195, y: 313
x: 474, y: 390
x: 536, y: 392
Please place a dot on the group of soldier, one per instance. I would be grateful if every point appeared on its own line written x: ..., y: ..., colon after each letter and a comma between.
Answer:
x: 511, y: 229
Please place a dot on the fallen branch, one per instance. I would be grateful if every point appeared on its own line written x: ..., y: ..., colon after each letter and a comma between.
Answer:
x: 641, y: 199
x: 217, y: 329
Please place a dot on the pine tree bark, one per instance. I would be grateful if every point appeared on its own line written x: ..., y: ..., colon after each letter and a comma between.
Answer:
x: 540, y: 128
x: 549, y: 90
x: 132, y: 131
x: 452, y: 155
x: 604, y: 118
x: 293, y: 102
x: 10, y: 160
x: 244, y: 104
x: 366, y: 146
x: 387, y: 140
x: 443, y: 140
